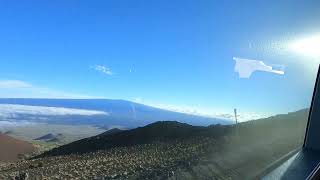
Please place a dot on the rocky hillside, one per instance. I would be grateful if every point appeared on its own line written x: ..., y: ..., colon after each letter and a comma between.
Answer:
x: 162, y: 131
x: 171, y: 150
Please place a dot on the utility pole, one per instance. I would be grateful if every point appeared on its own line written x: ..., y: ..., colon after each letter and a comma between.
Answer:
x: 236, y: 126
x: 235, y: 115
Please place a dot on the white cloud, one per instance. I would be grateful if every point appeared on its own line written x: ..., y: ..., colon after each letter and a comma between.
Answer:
x: 182, y: 109
x: 206, y: 111
x: 242, y: 116
x: 195, y: 110
x: 11, y: 110
x: 4, y: 125
x: 8, y: 84
x: 211, y: 112
x: 103, y: 69
x: 245, y: 67
x: 137, y: 100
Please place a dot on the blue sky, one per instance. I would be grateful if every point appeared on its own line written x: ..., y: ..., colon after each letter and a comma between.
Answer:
x: 173, y: 54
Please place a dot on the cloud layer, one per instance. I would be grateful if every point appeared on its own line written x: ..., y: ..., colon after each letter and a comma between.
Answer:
x: 206, y: 112
x: 10, y: 110
x: 10, y: 124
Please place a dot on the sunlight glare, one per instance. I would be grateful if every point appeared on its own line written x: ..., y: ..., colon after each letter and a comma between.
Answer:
x: 309, y: 46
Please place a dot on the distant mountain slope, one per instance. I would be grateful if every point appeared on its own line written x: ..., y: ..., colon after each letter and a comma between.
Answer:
x: 8, y: 132
x: 112, y: 131
x: 10, y: 148
x: 159, y: 131
x: 119, y: 113
x: 51, y: 137
x: 289, y: 126
x: 46, y: 137
x: 58, y: 139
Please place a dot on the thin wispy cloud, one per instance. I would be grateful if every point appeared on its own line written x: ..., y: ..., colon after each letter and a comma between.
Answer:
x: 8, y: 84
x: 22, y: 89
x: 245, y: 67
x: 103, y: 69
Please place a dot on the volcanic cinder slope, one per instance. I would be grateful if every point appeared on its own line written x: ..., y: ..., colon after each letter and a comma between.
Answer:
x: 10, y: 148
x: 171, y: 150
